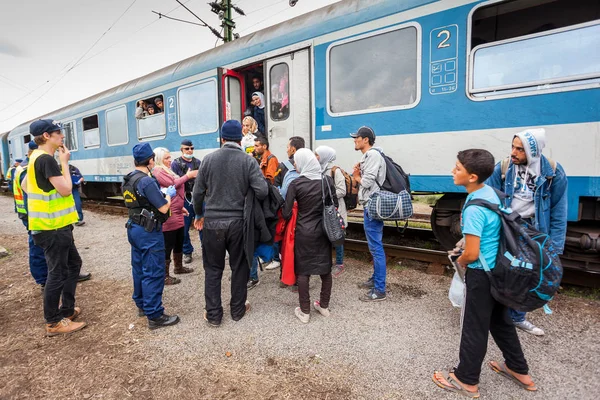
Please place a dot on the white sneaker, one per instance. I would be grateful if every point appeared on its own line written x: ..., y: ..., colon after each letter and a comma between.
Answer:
x: 273, y: 265
x: 529, y: 328
x: 304, y: 318
x: 324, y: 311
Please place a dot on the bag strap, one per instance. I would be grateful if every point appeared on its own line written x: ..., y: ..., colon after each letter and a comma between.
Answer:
x: 323, y: 191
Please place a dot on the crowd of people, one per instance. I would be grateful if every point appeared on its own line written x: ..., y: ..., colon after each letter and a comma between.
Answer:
x: 253, y: 209
x: 147, y: 108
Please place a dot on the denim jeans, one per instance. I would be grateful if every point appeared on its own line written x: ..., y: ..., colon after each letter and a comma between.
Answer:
x: 254, y: 269
x: 517, y: 316
x: 188, y: 248
x: 339, y: 254
x: 77, y: 198
x: 374, y: 234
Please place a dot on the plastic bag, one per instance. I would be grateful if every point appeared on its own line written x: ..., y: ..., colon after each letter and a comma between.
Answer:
x: 457, y: 291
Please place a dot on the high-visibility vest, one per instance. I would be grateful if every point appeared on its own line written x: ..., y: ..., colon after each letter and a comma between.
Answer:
x: 47, y: 210
x: 18, y: 191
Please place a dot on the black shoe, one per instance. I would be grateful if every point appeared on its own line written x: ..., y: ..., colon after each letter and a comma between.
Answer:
x: 84, y: 277
x: 252, y: 283
x: 162, y: 321
x: 370, y: 284
x: 214, y: 324
x: 141, y: 312
x: 373, y: 295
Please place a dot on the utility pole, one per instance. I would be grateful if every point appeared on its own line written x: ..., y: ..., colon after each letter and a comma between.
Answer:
x: 228, y: 23
x: 223, y: 9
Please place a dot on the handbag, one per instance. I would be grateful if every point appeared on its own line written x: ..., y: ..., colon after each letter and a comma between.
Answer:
x: 333, y: 223
x: 388, y: 206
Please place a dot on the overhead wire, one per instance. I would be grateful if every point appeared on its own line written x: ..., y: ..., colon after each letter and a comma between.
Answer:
x: 266, y: 19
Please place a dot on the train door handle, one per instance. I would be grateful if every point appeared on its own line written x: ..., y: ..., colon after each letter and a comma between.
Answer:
x: 271, y: 133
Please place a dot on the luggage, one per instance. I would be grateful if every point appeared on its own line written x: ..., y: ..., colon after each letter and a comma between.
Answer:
x: 387, y: 206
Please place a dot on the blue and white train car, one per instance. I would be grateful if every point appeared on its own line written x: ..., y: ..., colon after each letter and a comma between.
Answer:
x: 430, y: 77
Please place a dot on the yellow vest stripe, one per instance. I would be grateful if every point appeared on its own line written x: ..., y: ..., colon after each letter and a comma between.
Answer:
x: 44, y: 197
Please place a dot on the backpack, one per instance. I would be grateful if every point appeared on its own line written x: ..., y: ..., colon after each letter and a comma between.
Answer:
x: 528, y: 270
x: 351, y: 197
x: 396, y: 180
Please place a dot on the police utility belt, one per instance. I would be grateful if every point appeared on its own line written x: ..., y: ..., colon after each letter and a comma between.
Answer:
x: 146, y: 219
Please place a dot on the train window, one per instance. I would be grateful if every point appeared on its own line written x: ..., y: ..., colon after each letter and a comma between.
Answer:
x: 383, y: 77
x: 234, y: 98
x: 70, y: 135
x: 198, y: 108
x: 524, y: 46
x: 149, y: 106
x: 279, y: 76
x: 116, y: 126
x: 91, y: 132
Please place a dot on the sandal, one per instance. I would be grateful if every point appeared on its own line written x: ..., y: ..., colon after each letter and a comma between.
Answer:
x: 454, y: 386
x: 502, y: 370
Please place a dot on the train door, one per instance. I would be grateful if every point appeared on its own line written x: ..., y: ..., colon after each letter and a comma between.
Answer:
x: 233, y: 98
x: 287, y: 93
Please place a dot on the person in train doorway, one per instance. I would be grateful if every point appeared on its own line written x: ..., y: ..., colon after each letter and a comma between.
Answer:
x: 258, y: 101
x: 148, y: 210
x: 181, y: 166
x: 226, y: 177
x: 51, y: 213
x: 537, y: 189
x: 77, y: 179
x: 369, y: 173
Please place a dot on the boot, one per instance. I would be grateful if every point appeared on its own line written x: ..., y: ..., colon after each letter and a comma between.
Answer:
x: 162, y: 321
x: 178, y: 261
x: 170, y: 280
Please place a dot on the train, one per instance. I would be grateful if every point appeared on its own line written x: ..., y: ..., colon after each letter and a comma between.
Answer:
x: 430, y: 77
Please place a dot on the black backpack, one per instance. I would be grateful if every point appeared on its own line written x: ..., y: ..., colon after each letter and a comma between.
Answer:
x: 396, y: 180
x: 528, y: 270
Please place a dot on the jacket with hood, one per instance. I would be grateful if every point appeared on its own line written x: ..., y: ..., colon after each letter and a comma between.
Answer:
x: 536, y: 180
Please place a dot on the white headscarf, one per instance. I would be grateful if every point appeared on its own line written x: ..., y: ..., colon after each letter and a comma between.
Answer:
x: 326, y: 155
x: 307, y: 164
x: 262, y: 99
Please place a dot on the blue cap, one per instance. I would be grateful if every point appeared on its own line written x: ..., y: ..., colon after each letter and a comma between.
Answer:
x: 18, y: 160
x: 232, y: 130
x: 186, y: 142
x: 32, y: 145
x: 37, y: 128
x: 142, y: 152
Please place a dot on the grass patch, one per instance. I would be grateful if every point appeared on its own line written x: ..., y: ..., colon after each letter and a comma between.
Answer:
x: 429, y: 199
x: 581, y: 292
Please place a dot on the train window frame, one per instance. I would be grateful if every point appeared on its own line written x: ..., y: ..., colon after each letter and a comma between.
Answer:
x: 418, y: 77
x: 527, y: 88
x: 216, y: 94
x: 150, y: 117
x: 92, y: 130
x: 271, y: 117
x: 73, y: 124
x: 122, y: 106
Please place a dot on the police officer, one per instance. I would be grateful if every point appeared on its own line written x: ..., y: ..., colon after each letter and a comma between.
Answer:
x: 148, y: 209
x: 181, y: 165
x: 10, y: 174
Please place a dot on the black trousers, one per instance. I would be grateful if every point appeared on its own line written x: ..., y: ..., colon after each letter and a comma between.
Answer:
x: 483, y: 314
x: 220, y: 236
x: 64, y: 265
x: 304, y: 295
x: 173, y: 242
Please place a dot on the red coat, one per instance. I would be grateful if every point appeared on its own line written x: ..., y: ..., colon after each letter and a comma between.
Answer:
x: 286, y: 233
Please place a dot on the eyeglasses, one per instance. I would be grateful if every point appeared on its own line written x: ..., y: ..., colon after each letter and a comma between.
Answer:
x: 188, y: 148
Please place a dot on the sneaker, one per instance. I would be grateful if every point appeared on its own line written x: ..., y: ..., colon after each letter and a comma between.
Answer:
x: 162, y: 321
x: 324, y: 311
x: 337, y: 270
x: 214, y: 324
x: 252, y: 283
x: 187, y: 258
x: 64, y: 327
x: 273, y: 265
x: 529, y: 328
x: 369, y: 284
x: 76, y: 312
x: 304, y: 318
x: 79, y: 223
x: 373, y: 295
x: 84, y: 276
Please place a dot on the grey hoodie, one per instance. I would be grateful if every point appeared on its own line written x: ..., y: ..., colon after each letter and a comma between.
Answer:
x: 534, y: 141
x: 372, y: 171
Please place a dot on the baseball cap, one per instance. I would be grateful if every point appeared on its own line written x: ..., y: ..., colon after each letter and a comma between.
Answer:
x: 37, y: 128
x: 364, y: 132
x: 32, y: 145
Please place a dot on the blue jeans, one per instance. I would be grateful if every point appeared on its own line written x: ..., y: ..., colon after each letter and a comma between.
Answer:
x: 254, y: 269
x: 517, y: 316
x: 77, y: 198
x: 188, y: 221
x: 339, y: 254
x: 374, y: 234
x: 263, y: 251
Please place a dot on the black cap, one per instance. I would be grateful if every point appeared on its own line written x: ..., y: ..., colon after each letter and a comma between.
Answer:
x: 364, y: 132
x: 186, y: 142
x: 40, y: 126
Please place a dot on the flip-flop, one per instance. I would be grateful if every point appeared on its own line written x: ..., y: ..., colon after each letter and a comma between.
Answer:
x: 456, y: 386
x: 501, y: 369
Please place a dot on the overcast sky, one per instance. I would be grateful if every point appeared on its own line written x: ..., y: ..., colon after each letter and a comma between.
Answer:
x: 53, y: 53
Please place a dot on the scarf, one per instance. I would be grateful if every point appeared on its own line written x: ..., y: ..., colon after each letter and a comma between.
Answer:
x: 307, y: 164
x: 326, y: 155
x: 262, y: 99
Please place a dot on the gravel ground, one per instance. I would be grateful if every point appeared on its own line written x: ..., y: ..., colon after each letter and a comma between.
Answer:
x: 386, y: 350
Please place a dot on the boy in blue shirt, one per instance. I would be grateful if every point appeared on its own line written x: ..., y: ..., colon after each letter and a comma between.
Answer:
x: 481, y: 312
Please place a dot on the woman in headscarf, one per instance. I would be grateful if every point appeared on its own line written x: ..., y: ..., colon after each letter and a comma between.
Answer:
x: 250, y: 132
x: 258, y: 101
x: 312, y: 248
x: 173, y: 228
x: 326, y: 156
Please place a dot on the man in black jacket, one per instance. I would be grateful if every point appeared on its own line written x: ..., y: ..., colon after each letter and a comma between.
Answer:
x: 223, y: 181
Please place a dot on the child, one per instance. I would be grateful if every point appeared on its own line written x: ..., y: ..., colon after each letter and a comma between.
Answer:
x: 482, y: 314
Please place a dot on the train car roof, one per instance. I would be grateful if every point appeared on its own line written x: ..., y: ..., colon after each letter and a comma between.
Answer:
x: 316, y: 23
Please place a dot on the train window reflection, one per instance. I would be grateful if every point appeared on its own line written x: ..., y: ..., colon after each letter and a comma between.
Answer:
x: 70, y: 135
x: 116, y: 126
x: 198, y: 108
x: 91, y: 132
x: 374, y: 73
x: 538, y: 62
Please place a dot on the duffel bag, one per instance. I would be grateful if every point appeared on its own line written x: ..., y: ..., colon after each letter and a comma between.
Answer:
x: 388, y: 206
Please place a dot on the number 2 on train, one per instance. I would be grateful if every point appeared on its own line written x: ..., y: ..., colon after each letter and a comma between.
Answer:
x: 444, y: 43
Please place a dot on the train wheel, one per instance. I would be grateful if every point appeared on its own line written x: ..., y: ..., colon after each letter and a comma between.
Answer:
x: 445, y: 220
